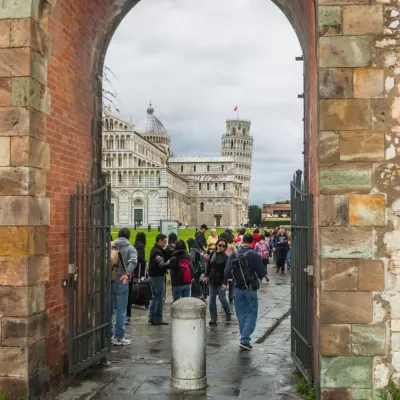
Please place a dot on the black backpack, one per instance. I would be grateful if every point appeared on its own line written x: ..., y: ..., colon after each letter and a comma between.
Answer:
x: 241, y: 271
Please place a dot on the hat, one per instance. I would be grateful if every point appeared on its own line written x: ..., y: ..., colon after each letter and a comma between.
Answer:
x: 230, y: 228
x: 204, y: 226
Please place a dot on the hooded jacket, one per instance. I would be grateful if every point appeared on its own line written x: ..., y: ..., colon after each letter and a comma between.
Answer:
x: 215, y: 268
x: 140, y: 269
x: 129, y: 254
x: 177, y: 255
x: 254, y: 262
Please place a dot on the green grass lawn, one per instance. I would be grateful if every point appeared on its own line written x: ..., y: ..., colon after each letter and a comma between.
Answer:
x: 183, y: 234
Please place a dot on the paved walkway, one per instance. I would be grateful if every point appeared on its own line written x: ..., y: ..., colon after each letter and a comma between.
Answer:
x: 142, y: 370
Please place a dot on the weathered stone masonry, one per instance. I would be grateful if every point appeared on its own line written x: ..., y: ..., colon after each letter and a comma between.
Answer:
x: 51, y: 55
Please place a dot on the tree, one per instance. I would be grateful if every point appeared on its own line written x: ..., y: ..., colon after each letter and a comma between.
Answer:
x: 282, y: 202
x: 254, y: 215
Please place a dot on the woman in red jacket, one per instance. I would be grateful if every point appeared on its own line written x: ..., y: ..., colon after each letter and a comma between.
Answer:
x: 256, y: 235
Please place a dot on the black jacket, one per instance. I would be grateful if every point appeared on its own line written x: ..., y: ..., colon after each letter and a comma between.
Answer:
x: 155, y: 269
x: 254, y: 262
x: 201, y: 240
x: 227, y: 235
x: 215, y: 268
x: 281, y: 242
x: 140, y: 269
x: 177, y: 255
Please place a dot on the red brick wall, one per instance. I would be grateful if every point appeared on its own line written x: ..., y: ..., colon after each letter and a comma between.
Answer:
x: 302, y: 16
x: 74, y: 27
x: 80, y: 32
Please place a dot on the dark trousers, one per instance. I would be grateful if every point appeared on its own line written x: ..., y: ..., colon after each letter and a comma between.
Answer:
x: 281, y: 258
x: 231, y: 289
x: 130, y: 300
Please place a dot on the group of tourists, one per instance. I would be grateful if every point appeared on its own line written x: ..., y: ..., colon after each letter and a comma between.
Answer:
x: 202, y: 267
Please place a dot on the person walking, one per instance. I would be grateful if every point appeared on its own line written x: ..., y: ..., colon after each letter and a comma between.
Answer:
x: 262, y: 249
x: 157, y: 280
x: 120, y: 285
x: 180, y: 265
x: 212, y: 241
x: 197, y: 261
x: 227, y: 235
x: 214, y: 275
x: 201, y: 239
x: 247, y: 270
x: 281, y: 248
x: 138, y: 272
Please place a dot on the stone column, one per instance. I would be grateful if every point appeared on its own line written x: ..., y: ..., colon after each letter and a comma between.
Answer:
x: 359, y: 116
x: 24, y: 209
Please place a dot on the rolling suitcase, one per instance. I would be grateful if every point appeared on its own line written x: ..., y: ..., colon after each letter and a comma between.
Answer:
x: 141, y: 292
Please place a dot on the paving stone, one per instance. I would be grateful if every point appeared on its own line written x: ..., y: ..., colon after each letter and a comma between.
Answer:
x: 346, y: 307
x: 346, y: 372
x: 345, y: 178
x: 329, y: 20
x: 368, y: 340
x: 336, y: 83
x: 345, y: 114
x: 328, y: 147
x: 362, y: 146
x: 363, y: 20
x: 367, y: 210
x: 344, y: 51
x: 339, y: 275
x: 335, y: 340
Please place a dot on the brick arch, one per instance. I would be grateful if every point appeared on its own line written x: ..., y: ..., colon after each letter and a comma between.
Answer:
x: 52, y: 93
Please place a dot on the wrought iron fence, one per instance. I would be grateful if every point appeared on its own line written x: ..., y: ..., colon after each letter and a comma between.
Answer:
x: 301, y: 272
x: 89, y: 290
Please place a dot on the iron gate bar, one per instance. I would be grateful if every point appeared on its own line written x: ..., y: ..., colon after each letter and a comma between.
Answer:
x: 89, y: 295
x: 301, y: 288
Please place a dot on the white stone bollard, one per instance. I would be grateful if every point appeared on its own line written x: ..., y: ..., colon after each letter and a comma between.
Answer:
x: 188, y: 369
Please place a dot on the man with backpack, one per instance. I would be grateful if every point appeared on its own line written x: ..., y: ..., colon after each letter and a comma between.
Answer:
x: 123, y: 262
x: 247, y: 270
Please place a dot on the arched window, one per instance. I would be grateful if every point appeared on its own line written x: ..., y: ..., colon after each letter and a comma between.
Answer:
x: 111, y: 144
x: 244, y: 145
x: 199, y: 186
x: 208, y: 168
x: 244, y: 131
x: 122, y: 143
x: 194, y: 168
x: 232, y: 144
x: 120, y: 161
x: 233, y: 131
x: 120, y: 178
x: 181, y: 168
x: 239, y: 127
x: 108, y: 178
x: 224, y: 185
x: 138, y: 202
x: 201, y: 206
x: 108, y: 161
x: 111, y: 124
x: 107, y: 123
x: 222, y: 168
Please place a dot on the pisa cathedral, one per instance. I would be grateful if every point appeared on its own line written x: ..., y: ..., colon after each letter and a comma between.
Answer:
x: 148, y: 184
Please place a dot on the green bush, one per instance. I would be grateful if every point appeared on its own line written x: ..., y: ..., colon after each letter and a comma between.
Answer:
x: 302, y: 388
x: 392, y: 392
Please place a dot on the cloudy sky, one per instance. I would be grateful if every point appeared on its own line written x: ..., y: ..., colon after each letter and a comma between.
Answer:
x: 196, y: 60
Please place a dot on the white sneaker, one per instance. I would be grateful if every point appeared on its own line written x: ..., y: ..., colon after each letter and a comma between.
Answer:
x: 121, y: 342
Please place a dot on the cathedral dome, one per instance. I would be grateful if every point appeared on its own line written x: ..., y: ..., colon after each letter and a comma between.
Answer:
x: 151, y: 125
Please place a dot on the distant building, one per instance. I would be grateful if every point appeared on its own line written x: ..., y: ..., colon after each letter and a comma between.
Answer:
x: 148, y: 184
x: 276, y: 212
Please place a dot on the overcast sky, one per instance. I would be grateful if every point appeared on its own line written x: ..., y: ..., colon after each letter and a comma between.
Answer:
x: 196, y: 60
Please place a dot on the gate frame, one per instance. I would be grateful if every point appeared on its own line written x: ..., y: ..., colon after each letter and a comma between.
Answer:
x: 90, y: 225
x: 301, y: 276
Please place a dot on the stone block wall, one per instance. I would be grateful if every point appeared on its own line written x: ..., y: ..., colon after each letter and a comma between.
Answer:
x: 357, y: 147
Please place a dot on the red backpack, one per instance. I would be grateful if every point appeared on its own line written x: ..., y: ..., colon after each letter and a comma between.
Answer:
x: 184, y: 266
x: 262, y: 250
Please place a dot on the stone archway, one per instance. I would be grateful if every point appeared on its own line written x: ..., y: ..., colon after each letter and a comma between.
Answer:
x: 51, y: 57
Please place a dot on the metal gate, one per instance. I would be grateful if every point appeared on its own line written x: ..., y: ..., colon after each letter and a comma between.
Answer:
x: 302, y: 270
x: 89, y: 290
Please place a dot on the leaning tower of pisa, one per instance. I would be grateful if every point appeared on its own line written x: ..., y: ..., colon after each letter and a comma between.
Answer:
x: 238, y: 143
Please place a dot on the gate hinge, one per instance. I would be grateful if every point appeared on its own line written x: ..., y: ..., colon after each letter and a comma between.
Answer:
x: 71, y: 268
x: 309, y: 270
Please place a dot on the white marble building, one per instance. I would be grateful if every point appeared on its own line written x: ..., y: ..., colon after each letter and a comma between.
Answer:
x: 149, y: 185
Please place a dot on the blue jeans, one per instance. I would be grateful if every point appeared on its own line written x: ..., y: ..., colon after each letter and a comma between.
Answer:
x: 246, y: 306
x: 289, y: 258
x: 157, y: 286
x: 181, y: 291
x: 119, y: 302
x: 214, y: 290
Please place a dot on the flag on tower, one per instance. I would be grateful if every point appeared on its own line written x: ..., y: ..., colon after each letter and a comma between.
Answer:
x: 235, y: 109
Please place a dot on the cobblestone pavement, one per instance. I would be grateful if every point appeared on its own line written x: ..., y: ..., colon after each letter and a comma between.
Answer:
x: 142, y: 370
